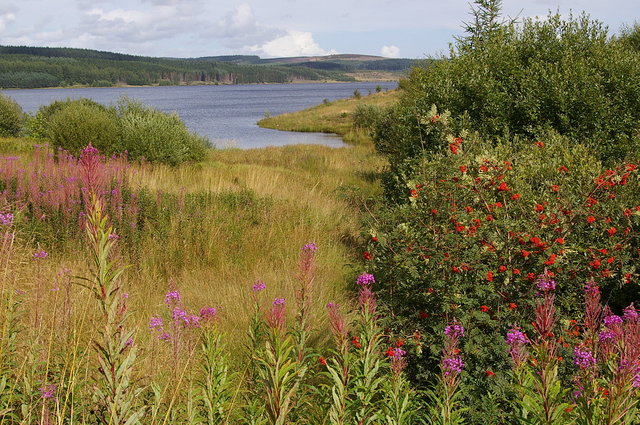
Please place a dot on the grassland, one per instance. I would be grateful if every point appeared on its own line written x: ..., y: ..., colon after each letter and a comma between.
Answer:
x: 247, y: 213
x: 331, y: 117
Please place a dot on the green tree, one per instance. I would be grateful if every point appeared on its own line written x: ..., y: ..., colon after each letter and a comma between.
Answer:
x: 11, y: 116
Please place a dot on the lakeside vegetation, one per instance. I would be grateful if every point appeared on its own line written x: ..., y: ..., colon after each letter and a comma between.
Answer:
x: 471, y: 259
x: 35, y: 67
x: 342, y: 117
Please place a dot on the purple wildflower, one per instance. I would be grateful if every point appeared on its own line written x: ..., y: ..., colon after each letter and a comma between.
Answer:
x: 605, y: 336
x: 172, y: 297
x: 276, y: 317
x: 129, y: 342
x: 399, y: 352
x: 6, y: 219
x: 310, y: 247
x: 545, y: 283
x: 451, y: 365
x: 365, y: 279
x: 591, y: 288
x: 515, y: 336
x: 156, y: 323
x: 611, y: 320
x: 113, y: 236
x: 454, y: 330
x: 630, y: 314
x: 192, y: 321
x: 40, y: 254
x: 208, y: 313
x: 179, y: 314
x: 259, y: 286
x: 48, y: 392
x: 583, y: 358
x: 164, y: 336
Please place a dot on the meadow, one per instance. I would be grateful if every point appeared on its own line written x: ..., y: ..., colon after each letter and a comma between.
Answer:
x: 207, y: 231
x: 471, y: 258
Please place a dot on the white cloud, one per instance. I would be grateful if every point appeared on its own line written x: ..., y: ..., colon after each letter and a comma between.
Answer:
x: 390, y: 51
x: 294, y: 43
x: 7, y: 15
x: 239, y: 29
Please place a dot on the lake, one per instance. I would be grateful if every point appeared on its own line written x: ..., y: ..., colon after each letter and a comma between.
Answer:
x: 225, y: 114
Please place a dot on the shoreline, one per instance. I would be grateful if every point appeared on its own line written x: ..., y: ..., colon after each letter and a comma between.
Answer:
x: 199, y: 84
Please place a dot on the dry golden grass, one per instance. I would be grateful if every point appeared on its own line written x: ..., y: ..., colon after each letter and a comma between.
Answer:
x: 262, y: 206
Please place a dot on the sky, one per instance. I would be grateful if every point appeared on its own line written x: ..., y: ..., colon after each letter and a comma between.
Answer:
x: 269, y: 28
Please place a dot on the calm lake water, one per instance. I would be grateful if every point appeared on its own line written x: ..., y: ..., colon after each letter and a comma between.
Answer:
x: 225, y: 114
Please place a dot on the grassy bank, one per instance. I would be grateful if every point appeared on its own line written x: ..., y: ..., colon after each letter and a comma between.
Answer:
x: 331, y: 117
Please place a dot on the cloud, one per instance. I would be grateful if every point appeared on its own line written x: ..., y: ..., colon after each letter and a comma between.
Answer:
x: 130, y: 26
x: 7, y: 16
x: 390, y: 51
x: 239, y: 29
x: 294, y: 43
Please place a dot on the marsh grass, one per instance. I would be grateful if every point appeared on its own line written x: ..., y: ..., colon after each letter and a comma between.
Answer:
x: 332, y: 117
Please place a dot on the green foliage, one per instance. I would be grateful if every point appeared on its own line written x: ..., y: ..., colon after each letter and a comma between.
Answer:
x: 141, y: 131
x: 156, y: 136
x: 515, y: 79
x: 11, y: 117
x: 114, y: 347
x: 467, y: 230
x: 32, y: 67
x: 74, y: 124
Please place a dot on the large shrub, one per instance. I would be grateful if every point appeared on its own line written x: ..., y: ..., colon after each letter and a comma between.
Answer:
x: 157, y: 136
x: 11, y: 117
x: 516, y: 79
x: 468, y: 225
x: 73, y: 124
x: 141, y: 131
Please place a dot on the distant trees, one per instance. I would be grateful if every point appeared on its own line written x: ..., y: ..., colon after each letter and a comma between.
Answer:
x: 33, y: 67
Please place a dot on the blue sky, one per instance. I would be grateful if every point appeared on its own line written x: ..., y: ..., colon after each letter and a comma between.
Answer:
x: 268, y: 28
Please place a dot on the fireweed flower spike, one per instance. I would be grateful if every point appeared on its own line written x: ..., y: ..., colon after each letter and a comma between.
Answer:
x: 172, y: 298
x: 583, y: 358
x: 40, y: 254
x: 517, y: 341
x: 338, y: 325
x: 259, y: 286
x: 365, y: 279
x: 276, y: 316
x: 398, y: 361
x: 6, y: 219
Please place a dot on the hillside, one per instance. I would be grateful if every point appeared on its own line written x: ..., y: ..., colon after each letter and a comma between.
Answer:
x: 34, y: 67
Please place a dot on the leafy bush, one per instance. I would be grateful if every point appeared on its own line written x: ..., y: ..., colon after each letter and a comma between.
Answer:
x: 157, y: 136
x: 140, y: 130
x: 11, y: 117
x: 73, y: 124
x: 516, y: 79
x: 471, y: 226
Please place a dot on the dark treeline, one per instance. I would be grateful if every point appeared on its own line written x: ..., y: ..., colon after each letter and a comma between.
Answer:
x: 33, y: 67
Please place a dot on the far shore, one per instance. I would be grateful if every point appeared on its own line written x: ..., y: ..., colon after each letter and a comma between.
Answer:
x: 198, y: 83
